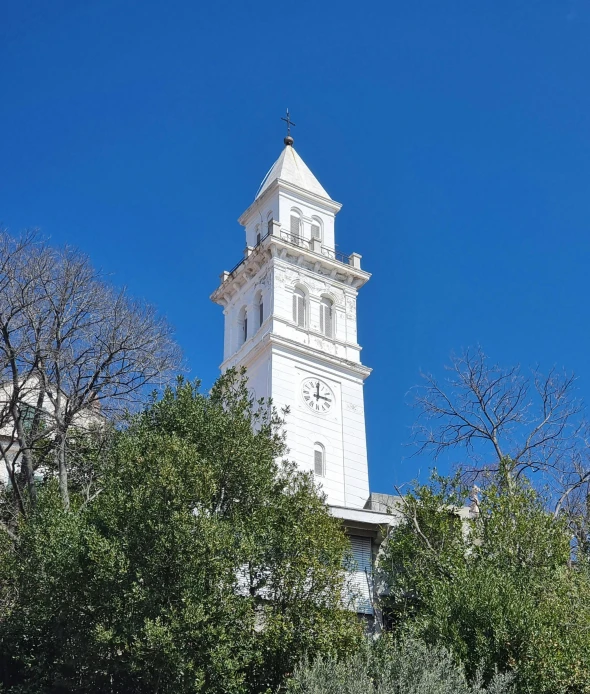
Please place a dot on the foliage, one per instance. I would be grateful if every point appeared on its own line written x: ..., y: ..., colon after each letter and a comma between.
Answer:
x: 73, y: 351
x: 202, y: 566
x: 386, y: 667
x: 498, y: 590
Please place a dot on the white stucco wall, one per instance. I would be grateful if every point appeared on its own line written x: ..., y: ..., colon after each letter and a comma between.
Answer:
x: 280, y: 354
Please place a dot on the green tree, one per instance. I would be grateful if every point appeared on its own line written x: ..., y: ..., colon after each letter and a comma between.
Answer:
x: 202, y: 566
x: 498, y: 590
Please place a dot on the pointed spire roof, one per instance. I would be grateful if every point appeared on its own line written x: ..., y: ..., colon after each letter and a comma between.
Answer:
x: 291, y: 168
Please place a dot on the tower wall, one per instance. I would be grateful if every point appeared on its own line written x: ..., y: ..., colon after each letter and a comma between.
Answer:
x: 304, y: 353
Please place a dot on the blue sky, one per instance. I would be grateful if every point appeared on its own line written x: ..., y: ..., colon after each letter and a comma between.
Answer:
x: 456, y: 134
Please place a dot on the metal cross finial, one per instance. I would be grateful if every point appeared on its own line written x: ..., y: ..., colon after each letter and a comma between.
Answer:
x: 289, y: 122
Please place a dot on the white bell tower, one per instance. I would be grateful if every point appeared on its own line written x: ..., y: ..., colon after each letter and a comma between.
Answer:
x: 290, y: 319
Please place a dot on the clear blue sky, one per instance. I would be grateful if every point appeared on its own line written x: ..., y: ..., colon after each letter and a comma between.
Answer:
x: 456, y: 134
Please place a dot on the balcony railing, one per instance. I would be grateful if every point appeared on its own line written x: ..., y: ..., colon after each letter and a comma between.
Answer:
x: 295, y: 239
x: 327, y: 252
x: 301, y: 242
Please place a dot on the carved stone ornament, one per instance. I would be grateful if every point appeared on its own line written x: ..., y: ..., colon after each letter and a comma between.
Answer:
x: 352, y: 407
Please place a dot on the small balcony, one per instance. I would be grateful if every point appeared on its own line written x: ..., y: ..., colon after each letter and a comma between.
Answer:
x: 315, y: 246
x: 311, y: 245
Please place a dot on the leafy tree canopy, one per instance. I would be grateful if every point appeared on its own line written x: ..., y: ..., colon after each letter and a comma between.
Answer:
x: 202, y: 566
x: 499, y: 590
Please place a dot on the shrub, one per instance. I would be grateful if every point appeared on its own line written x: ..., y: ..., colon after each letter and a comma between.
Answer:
x: 387, y: 667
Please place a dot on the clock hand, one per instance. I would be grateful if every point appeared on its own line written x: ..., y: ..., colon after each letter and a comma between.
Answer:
x: 317, y: 395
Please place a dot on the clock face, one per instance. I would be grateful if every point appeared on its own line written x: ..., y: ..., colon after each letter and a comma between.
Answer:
x: 317, y: 395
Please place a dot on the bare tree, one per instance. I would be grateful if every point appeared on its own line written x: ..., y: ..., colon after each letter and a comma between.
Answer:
x: 503, y: 417
x: 74, y: 352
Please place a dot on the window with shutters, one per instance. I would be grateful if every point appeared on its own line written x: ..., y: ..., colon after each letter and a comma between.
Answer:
x: 326, y: 317
x: 316, y: 228
x: 299, y: 307
x: 360, y: 572
x: 319, y: 460
x: 295, y: 227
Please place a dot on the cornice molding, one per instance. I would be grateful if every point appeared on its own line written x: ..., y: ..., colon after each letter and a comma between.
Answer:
x: 271, y: 339
x: 300, y: 193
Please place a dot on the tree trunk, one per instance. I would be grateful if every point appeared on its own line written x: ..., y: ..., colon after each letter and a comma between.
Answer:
x: 62, y: 470
x: 27, y: 466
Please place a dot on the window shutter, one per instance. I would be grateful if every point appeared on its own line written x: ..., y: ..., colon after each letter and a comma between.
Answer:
x: 295, y: 225
x: 361, y: 573
x: 300, y: 311
x: 315, y: 231
x: 326, y: 317
x: 299, y: 308
x: 318, y: 462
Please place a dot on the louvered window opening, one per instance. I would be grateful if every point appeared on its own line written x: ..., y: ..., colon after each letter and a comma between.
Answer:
x: 315, y: 231
x: 299, y: 308
x: 295, y: 228
x: 326, y: 322
x: 318, y: 461
x: 360, y: 571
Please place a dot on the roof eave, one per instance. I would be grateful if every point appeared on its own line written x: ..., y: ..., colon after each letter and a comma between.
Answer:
x: 308, y: 195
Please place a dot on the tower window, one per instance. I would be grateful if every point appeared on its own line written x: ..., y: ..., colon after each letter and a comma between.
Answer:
x: 326, y: 317
x: 257, y: 234
x: 316, y: 228
x: 260, y: 311
x: 299, y: 308
x: 295, y: 228
x: 242, y: 326
x: 269, y: 225
x: 319, y: 460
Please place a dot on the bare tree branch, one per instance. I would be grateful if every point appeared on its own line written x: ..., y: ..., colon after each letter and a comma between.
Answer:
x: 73, y: 351
x: 501, y: 417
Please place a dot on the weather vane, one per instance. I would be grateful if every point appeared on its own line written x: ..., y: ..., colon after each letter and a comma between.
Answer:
x: 288, y: 140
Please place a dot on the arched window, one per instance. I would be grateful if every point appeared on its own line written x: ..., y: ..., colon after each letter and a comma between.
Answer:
x: 269, y: 223
x: 260, y: 303
x: 319, y: 460
x: 299, y: 307
x: 326, y: 317
x: 257, y: 234
x: 316, y: 228
x: 242, y: 326
x: 295, y: 226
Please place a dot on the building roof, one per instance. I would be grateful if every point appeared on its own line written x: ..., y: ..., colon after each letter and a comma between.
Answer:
x: 291, y: 168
